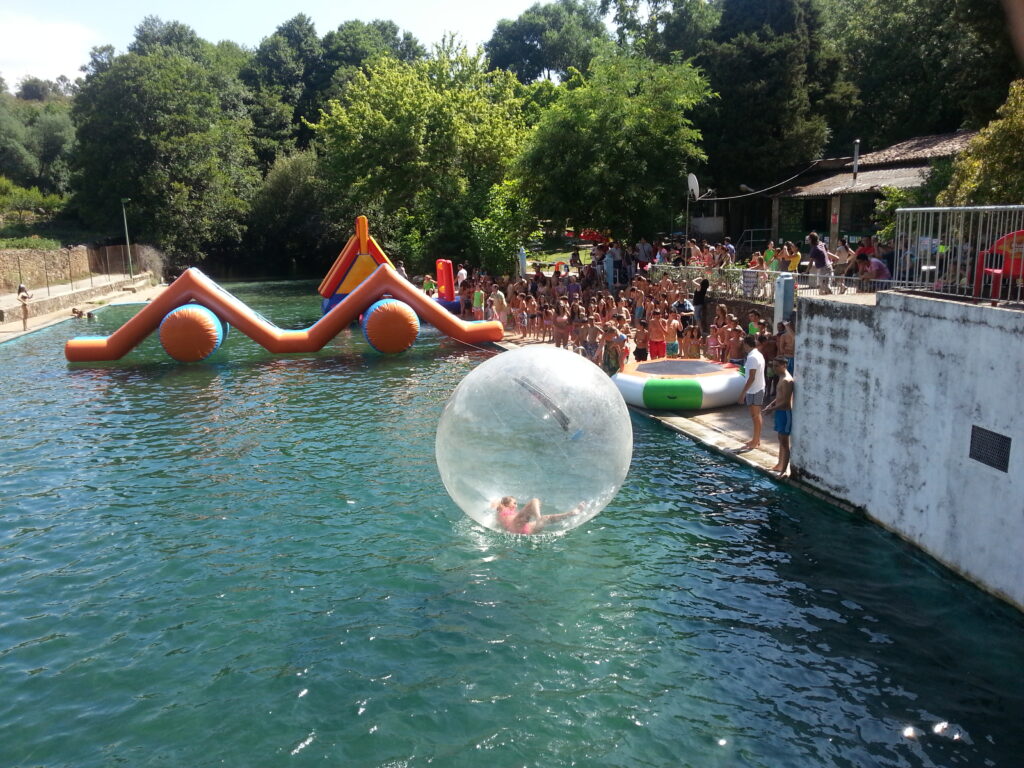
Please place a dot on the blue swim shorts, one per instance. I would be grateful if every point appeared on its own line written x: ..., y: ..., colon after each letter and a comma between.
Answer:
x: 784, y: 422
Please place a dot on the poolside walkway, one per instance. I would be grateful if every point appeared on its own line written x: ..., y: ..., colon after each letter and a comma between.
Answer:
x: 139, y: 292
x: 722, y: 429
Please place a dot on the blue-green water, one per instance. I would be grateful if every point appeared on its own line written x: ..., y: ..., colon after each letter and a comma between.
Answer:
x: 252, y: 562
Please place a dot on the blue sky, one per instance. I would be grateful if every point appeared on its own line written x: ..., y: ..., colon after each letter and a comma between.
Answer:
x: 54, y: 38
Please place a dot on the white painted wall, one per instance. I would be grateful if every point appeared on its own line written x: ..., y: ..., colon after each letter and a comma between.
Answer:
x: 886, y: 397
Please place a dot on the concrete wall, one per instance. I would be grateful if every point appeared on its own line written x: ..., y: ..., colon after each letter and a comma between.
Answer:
x: 886, y: 398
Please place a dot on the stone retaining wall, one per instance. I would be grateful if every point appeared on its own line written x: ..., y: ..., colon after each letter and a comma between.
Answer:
x: 39, y: 268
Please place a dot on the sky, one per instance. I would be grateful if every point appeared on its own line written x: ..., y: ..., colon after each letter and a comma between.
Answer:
x: 54, y: 38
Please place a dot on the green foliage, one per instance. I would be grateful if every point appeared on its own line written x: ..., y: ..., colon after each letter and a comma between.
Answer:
x: 36, y: 138
x: 26, y: 202
x: 154, y: 128
x: 154, y: 34
x: 37, y: 89
x: 991, y: 170
x: 780, y: 89
x: 611, y: 151
x: 506, y: 224
x: 285, y: 229
x: 921, y: 66
x: 34, y: 243
x: 548, y: 39
x: 664, y: 29
x: 893, y: 198
x: 420, y: 145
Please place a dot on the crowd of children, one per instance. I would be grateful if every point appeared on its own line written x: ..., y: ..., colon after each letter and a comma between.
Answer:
x: 646, y: 319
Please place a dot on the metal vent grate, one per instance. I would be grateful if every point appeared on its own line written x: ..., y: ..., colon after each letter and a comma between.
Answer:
x: 990, y: 448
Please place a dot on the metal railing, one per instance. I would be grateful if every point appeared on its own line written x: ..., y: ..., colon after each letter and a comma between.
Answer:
x: 975, y: 252
x: 758, y: 285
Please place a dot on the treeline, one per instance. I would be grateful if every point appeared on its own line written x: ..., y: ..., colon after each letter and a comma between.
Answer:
x: 260, y: 159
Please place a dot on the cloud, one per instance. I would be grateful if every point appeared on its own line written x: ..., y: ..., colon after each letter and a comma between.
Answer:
x: 42, y: 47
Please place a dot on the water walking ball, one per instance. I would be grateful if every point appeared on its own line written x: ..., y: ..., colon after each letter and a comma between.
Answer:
x: 191, y: 333
x: 540, y: 423
x: 390, y: 326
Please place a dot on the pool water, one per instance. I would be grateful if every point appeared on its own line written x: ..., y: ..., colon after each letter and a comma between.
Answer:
x: 252, y: 562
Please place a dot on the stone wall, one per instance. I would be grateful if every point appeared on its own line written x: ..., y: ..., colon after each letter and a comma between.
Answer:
x: 888, y: 400
x: 39, y: 268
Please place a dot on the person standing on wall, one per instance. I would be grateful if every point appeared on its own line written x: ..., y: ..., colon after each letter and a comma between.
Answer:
x: 644, y: 255
x: 821, y: 263
x: 752, y: 395
x: 782, y: 405
x: 700, y: 299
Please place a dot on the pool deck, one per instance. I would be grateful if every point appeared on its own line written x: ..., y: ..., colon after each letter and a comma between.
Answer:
x: 722, y: 430
x: 141, y: 294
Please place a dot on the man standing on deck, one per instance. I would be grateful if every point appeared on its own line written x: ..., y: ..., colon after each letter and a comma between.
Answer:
x: 752, y: 395
x: 782, y: 405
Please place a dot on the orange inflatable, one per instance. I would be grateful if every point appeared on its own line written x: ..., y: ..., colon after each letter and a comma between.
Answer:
x: 390, y: 326
x: 194, y: 286
x: 191, y: 333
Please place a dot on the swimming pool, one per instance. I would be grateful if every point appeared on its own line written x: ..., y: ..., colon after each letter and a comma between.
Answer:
x: 252, y: 561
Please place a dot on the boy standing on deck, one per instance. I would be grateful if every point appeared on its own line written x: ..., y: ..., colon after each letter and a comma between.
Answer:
x: 657, y: 330
x: 783, y: 407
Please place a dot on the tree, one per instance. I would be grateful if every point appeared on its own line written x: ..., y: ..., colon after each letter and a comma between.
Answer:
x: 419, y: 146
x: 780, y: 90
x: 991, y: 170
x: 152, y: 128
x: 547, y: 39
x: 663, y: 29
x: 37, y: 89
x: 17, y: 161
x: 286, y: 229
x: 921, y: 66
x: 51, y: 137
x: 614, y: 150
x: 154, y: 33
x: 346, y: 50
x: 504, y: 227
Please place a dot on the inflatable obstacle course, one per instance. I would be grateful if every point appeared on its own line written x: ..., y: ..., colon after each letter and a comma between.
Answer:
x: 194, y: 332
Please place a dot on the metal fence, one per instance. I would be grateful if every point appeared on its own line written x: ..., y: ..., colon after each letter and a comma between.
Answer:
x: 976, y: 252
x: 759, y: 285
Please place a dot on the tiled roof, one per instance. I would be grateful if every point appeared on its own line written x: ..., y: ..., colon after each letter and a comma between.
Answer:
x: 867, y: 181
x: 919, y: 149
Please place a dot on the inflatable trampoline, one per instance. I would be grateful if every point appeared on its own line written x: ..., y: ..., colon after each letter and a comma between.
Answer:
x: 679, y: 384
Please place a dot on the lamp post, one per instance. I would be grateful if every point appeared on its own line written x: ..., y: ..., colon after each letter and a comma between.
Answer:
x: 127, y: 245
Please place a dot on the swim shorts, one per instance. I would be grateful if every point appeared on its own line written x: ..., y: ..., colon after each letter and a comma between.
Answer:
x: 672, y: 348
x: 755, y: 398
x: 784, y: 422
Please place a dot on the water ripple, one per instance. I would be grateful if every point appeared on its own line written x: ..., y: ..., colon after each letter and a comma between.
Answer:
x: 252, y: 561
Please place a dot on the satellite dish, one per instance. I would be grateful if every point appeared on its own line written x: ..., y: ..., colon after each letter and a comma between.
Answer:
x: 691, y: 182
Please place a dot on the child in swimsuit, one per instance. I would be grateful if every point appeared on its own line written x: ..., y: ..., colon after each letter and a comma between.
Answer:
x: 527, y: 520
x: 714, y: 346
